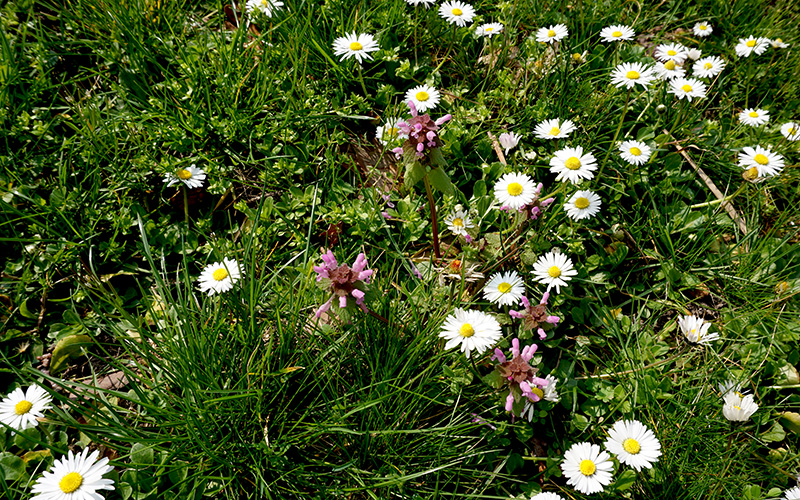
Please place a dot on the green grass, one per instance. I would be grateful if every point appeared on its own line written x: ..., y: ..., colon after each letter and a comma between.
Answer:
x: 247, y: 394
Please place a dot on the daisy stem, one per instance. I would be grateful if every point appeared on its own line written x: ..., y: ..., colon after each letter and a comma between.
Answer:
x: 616, y: 133
x: 435, y: 226
x: 361, y: 79
x: 186, y: 205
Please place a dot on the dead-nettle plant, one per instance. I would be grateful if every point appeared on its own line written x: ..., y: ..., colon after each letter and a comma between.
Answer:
x: 421, y: 153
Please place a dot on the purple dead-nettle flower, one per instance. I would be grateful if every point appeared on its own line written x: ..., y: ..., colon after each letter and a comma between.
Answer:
x: 519, y: 375
x: 536, y: 317
x: 343, y: 281
x: 422, y: 133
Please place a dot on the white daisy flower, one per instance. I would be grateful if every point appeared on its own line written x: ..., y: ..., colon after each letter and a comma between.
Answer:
x: 572, y: 165
x: 554, y: 269
x: 669, y: 70
x: 779, y: 44
x: 504, y: 289
x: 694, y: 54
x: 616, y: 32
x: 191, y: 176
x: 579, y: 57
x: 754, y: 117
x: 489, y: 29
x: 586, y: 468
x: 635, y: 152
x: 552, y: 129
x: 792, y: 494
x: 738, y: 407
x: 514, y: 190
x: 671, y: 52
x: 219, y: 277
x: 424, y: 3
x: 547, y: 496
x: 550, y: 393
x: 750, y: 45
x: 458, y: 13
x: 791, y: 131
x: 688, y: 88
x: 629, y: 74
x: 696, y: 330
x: 74, y: 477
x: 582, y: 205
x: 702, y: 29
x: 763, y: 160
x: 552, y: 34
x: 509, y: 140
x: 472, y: 330
x: 425, y: 97
x: 708, y: 67
x: 355, y: 45
x: 266, y: 7
x: 458, y: 222
x: 21, y: 410
x: 388, y: 132
x: 633, y: 444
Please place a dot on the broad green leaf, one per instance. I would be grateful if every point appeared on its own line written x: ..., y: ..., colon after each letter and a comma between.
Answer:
x: 68, y: 348
x: 414, y: 173
x: 791, y: 421
x: 141, y: 454
x: 625, y: 480
x: 440, y: 181
x: 774, y: 434
x: 12, y: 466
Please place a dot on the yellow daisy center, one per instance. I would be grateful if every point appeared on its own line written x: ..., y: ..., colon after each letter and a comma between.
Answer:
x: 582, y: 202
x: 708, y: 65
x: 572, y: 163
x: 632, y: 75
x: 703, y: 27
x: 687, y: 88
x: 183, y: 174
x: 265, y: 3
x: 751, y: 43
x: 670, y: 65
x: 671, y: 52
x: 792, y: 131
x: 220, y: 274
x: 391, y: 131
x: 635, y: 151
x: 554, y: 272
x: 356, y: 46
x: 751, y: 173
x: 576, y: 56
x: 778, y: 40
x: 761, y: 159
x: 551, y: 33
x: 504, y: 287
x: 753, y: 114
x: 455, y: 266
x: 23, y: 407
x: 466, y: 330
x: 587, y: 467
x: 538, y: 392
x: 555, y: 131
x: 514, y: 189
x: 458, y: 222
x: 616, y: 34
x: 489, y: 29
x: 457, y: 12
x: 70, y: 482
x: 423, y: 96
x: 631, y: 446
x: 737, y: 407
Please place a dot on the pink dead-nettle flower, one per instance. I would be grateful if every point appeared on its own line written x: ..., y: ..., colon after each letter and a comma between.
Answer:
x: 519, y: 374
x: 343, y: 281
x: 535, y: 317
x: 421, y: 131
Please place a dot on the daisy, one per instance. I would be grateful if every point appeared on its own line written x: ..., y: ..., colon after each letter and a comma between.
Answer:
x: 754, y: 117
x: 550, y: 393
x: 779, y: 44
x: 572, y: 165
x: 554, y: 269
x: 738, y: 407
x: 708, y: 67
x: 472, y: 330
x: 547, y: 496
x: 74, y: 477
x: 509, y: 140
x: 671, y: 52
x: 702, y: 29
x: 514, y: 190
x: 633, y: 444
x: 587, y: 468
x: 694, y: 54
x: 552, y: 34
x: 688, y: 88
x: 616, y: 32
x: 763, y: 160
x: 635, y: 152
x: 266, y: 7
x: 792, y: 494
x: 389, y: 132
x: 504, y: 288
x: 424, y: 3
x: 582, y: 205
x: 219, y: 277
x: 489, y: 29
x: 728, y: 386
x: 21, y: 409
x: 749, y: 45
x: 191, y: 176
x: 458, y: 222
x: 458, y: 13
x: 352, y: 45
x: 551, y: 129
x: 791, y: 131
x: 579, y: 57
x: 696, y: 330
x: 669, y: 70
x: 629, y: 74
x: 425, y: 97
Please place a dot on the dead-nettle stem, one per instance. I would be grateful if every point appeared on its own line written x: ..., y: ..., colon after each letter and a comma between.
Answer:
x: 434, y: 224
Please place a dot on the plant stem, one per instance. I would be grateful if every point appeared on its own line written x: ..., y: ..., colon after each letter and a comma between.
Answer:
x: 361, y: 79
x: 435, y: 226
x: 616, y: 133
x: 185, y: 205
